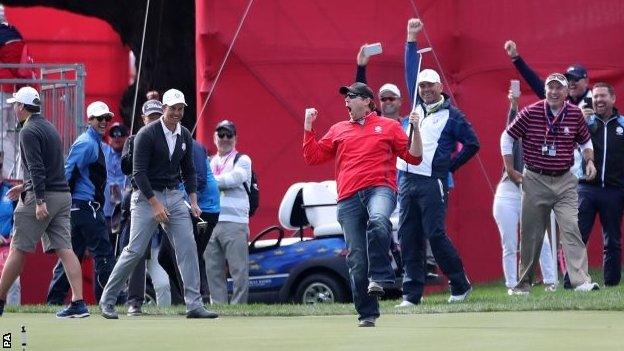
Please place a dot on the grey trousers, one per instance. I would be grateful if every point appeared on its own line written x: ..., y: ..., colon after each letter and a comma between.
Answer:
x: 542, y: 194
x: 179, y: 231
x: 229, y: 241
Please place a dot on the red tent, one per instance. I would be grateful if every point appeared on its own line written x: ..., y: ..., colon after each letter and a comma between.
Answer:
x: 289, y: 55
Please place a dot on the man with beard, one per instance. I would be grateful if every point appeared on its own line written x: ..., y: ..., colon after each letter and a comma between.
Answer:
x: 604, y: 195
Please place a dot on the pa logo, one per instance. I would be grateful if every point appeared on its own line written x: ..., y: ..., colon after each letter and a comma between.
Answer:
x: 6, y: 341
x: 619, y: 130
x: 378, y: 129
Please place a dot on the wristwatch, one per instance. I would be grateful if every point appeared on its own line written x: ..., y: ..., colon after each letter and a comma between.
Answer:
x: 40, y: 201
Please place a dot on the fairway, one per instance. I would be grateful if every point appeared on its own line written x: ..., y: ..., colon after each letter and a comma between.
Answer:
x: 569, y: 330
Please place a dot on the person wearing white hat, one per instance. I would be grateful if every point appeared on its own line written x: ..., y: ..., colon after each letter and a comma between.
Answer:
x: 163, y: 155
x: 85, y: 170
x: 423, y: 191
x: 43, y: 209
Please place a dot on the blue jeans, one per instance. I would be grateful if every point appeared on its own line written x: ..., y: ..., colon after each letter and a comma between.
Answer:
x: 365, y: 221
x: 422, y: 202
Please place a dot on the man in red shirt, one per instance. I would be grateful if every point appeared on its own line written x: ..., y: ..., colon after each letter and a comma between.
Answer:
x: 365, y: 147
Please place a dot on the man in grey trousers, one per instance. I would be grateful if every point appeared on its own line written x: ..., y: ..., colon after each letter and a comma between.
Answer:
x: 162, y: 151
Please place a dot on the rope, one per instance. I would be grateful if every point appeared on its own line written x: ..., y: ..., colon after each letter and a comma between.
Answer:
x: 138, y: 78
x: 435, y: 57
x: 227, y: 55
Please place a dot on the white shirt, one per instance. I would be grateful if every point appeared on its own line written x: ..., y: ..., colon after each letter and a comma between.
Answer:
x: 170, y: 136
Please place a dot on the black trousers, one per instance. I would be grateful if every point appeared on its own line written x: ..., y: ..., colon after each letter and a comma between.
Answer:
x: 166, y: 255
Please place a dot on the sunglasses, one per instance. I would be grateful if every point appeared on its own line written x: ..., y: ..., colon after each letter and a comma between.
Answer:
x: 225, y: 135
x: 108, y: 118
x: 389, y: 98
x: 352, y: 95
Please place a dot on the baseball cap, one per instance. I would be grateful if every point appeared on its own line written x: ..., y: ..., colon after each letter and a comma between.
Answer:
x: 429, y: 75
x: 227, y: 125
x: 358, y: 88
x: 26, y: 96
x: 556, y: 77
x: 152, y: 106
x: 118, y: 130
x: 98, y: 108
x: 576, y: 72
x: 172, y: 97
x: 390, y: 88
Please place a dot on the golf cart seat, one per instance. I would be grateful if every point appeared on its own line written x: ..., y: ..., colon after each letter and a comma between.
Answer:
x: 319, y: 202
x: 291, y: 213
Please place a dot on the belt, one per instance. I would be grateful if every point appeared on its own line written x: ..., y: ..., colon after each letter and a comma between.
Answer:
x: 163, y: 188
x: 547, y: 172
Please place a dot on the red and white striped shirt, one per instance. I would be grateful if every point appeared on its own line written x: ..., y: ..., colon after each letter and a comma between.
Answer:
x: 537, y: 127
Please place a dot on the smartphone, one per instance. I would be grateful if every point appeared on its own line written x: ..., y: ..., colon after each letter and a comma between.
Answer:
x: 514, y: 86
x: 588, y: 102
x: 372, y: 49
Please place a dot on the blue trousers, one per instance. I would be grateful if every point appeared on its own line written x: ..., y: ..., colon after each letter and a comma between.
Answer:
x: 365, y: 221
x: 89, y: 232
x: 422, y: 215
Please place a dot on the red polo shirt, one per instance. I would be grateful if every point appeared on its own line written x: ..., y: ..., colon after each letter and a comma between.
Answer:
x: 365, y: 154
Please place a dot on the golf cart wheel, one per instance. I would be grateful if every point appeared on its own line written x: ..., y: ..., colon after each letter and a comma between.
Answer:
x: 319, y: 288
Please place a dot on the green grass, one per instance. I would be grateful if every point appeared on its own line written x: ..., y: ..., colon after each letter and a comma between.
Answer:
x: 489, y: 320
x: 484, y: 298
x: 563, y: 330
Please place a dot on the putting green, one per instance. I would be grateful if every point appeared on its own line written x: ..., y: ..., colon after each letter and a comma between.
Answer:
x: 573, y: 330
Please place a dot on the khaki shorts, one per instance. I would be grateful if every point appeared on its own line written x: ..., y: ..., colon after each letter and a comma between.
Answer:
x: 53, y: 231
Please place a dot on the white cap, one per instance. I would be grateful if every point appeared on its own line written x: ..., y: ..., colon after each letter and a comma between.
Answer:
x: 172, y: 97
x: 27, y: 96
x: 391, y: 88
x: 429, y: 75
x: 556, y: 77
x: 98, y: 108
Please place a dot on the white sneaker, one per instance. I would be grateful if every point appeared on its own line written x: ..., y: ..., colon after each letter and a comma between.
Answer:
x: 517, y: 292
x: 460, y: 298
x: 405, y: 304
x: 550, y: 287
x: 587, y: 286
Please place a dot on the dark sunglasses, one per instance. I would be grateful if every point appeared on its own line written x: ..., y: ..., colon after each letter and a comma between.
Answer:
x: 225, y: 135
x: 352, y: 95
x: 389, y: 98
x: 108, y: 118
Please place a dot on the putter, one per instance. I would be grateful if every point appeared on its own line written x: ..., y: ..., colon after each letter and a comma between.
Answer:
x: 419, y: 52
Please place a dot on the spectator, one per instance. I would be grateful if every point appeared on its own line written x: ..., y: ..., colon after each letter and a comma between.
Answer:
x: 423, y: 191
x: 85, y: 170
x: 115, y: 178
x: 578, y: 89
x: 12, y: 50
x: 151, y: 110
x: 230, y: 237
x: 6, y: 225
x: 365, y: 148
x: 604, y: 195
x: 549, y: 130
x: 506, y: 211
x: 44, y: 202
x: 162, y: 156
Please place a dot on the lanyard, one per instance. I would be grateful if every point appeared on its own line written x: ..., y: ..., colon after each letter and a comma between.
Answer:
x: 220, y: 166
x: 550, y: 126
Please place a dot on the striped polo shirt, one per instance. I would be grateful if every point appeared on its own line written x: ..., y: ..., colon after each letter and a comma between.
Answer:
x: 563, y: 131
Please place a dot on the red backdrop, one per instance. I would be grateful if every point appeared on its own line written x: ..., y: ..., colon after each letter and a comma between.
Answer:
x: 292, y: 55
